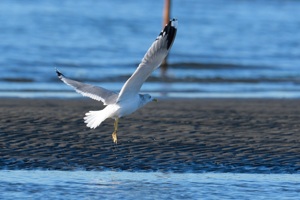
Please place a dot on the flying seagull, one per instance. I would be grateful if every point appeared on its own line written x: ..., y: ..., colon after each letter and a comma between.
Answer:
x: 128, y: 100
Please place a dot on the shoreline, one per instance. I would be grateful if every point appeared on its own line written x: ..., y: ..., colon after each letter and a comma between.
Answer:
x: 178, y: 135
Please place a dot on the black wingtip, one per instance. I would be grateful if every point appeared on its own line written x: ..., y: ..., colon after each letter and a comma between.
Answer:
x: 170, y: 30
x: 173, y: 22
x: 58, y: 73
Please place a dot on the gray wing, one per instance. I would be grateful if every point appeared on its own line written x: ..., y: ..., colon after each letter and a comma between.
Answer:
x: 151, y: 61
x: 94, y: 92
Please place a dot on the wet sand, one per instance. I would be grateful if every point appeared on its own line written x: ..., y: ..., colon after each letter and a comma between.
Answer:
x: 216, y: 135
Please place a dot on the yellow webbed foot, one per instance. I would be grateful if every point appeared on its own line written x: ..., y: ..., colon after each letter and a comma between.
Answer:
x: 114, y: 137
x: 114, y: 134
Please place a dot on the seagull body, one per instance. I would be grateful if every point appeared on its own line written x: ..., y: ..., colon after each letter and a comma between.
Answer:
x: 128, y: 100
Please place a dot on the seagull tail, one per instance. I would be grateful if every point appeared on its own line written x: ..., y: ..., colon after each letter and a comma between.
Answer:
x: 94, y: 118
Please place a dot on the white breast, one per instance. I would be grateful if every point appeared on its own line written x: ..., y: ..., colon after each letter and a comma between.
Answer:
x: 128, y: 106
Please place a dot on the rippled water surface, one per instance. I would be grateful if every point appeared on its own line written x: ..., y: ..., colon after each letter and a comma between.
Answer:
x: 224, y: 48
x: 126, y: 185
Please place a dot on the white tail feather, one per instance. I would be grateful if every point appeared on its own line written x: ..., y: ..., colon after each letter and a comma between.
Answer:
x: 94, y: 118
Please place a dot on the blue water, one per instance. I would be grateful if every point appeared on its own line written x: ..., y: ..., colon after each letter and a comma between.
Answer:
x: 224, y: 48
x: 128, y: 185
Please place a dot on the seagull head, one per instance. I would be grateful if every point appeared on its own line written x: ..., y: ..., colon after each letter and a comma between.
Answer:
x: 146, y: 98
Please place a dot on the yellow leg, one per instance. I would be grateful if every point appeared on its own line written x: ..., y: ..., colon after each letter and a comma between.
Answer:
x: 114, y: 134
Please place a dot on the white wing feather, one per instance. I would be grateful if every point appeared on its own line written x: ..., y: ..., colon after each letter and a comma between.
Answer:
x: 151, y: 61
x: 94, y: 92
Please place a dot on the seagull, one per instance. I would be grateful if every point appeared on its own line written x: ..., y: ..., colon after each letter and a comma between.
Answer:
x: 128, y: 100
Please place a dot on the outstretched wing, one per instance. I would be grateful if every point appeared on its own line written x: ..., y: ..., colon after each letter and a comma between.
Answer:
x: 151, y: 61
x: 94, y: 92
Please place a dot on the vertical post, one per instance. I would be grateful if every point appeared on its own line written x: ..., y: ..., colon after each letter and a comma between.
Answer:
x: 166, y: 18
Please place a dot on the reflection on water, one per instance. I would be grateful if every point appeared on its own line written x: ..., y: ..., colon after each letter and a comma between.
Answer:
x: 128, y: 185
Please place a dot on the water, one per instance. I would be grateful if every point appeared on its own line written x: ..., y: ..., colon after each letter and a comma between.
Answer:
x: 128, y: 185
x: 223, y: 48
